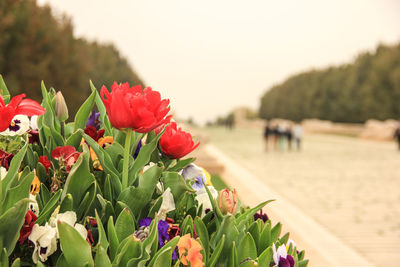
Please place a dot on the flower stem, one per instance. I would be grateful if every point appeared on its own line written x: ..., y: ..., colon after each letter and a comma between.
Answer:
x: 125, y: 166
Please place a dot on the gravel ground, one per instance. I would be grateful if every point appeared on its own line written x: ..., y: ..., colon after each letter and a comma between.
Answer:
x: 350, y: 186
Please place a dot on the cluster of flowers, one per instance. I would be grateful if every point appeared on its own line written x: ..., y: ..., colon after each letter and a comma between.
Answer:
x: 145, y: 177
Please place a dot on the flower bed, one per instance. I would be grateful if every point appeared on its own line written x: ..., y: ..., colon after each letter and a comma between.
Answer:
x: 111, y: 189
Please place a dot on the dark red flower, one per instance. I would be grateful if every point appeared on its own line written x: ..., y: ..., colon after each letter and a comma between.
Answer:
x: 5, y: 159
x: 92, y: 132
x: 261, y: 215
x: 33, y: 137
x: 30, y: 219
x: 132, y: 107
x: 45, y: 162
x: 17, y: 105
x: 93, y: 222
x: 89, y: 237
x: 67, y: 154
x: 176, y: 143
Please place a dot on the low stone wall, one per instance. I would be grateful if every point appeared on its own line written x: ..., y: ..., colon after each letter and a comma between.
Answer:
x: 322, y: 126
x: 379, y: 130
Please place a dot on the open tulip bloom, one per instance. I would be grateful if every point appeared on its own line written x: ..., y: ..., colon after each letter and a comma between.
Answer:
x: 112, y: 188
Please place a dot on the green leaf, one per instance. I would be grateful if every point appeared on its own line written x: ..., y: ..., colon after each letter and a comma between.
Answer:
x: 303, y: 263
x: 160, y: 257
x: 10, y: 224
x: 130, y: 250
x: 217, y: 251
x: 4, y: 90
x: 202, y: 232
x: 74, y: 139
x: 12, y: 174
x: 124, y: 226
x: 265, y: 240
x: 247, y: 248
x: 16, y: 263
x: 112, y: 237
x: 101, y: 259
x: 84, y: 111
x: 67, y: 204
x: 276, y: 231
x: 76, y: 250
x: 79, y: 183
x: 176, y: 182
x: 106, y: 163
x: 182, y: 163
x: 234, y: 256
x: 102, y: 233
x: 229, y: 229
x: 50, y: 206
x: 103, y: 113
x: 249, y: 215
x: 142, y: 159
x: 265, y: 257
x: 15, y: 194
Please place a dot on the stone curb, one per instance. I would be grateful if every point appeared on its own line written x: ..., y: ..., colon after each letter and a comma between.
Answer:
x: 322, y: 247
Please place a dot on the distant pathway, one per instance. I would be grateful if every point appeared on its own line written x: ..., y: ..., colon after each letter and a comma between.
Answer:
x: 350, y: 186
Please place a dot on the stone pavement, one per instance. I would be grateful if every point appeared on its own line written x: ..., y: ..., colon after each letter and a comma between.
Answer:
x: 322, y: 248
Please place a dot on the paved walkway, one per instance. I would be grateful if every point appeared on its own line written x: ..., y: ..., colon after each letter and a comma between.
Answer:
x: 339, y: 191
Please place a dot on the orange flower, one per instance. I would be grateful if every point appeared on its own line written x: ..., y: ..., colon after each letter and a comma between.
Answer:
x: 35, y: 186
x: 103, y: 142
x: 189, y: 251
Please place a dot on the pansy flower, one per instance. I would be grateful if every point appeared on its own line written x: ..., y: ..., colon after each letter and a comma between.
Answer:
x: 93, y: 120
x: 163, y: 234
x: 30, y: 219
x: 67, y: 155
x: 280, y: 256
x: 260, y: 215
x: 189, y: 251
x: 18, y: 126
x: 5, y: 159
x: 44, y: 238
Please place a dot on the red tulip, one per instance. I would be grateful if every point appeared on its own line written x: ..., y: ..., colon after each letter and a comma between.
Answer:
x: 17, y: 106
x: 132, y: 107
x: 176, y: 143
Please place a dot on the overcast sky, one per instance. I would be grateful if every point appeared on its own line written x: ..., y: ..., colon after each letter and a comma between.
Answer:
x: 210, y: 56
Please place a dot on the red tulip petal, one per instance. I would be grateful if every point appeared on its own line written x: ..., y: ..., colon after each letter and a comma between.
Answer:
x: 6, y: 116
x: 29, y: 107
x: 16, y: 100
x: 2, y: 104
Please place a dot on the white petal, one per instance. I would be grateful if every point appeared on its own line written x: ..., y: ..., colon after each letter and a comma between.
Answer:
x: 275, y: 254
x: 23, y: 124
x: 192, y: 171
x: 81, y: 230
x: 34, y: 125
x: 167, y: 205
x: 68, y: 217
x: 3, y: 172
x: 33, y: 206
x: 290, y: 242
x: 148, y: 166
x: 282, y: 251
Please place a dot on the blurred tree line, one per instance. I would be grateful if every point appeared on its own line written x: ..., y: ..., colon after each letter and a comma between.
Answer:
x: 35, y: 45
x: 367, y: 88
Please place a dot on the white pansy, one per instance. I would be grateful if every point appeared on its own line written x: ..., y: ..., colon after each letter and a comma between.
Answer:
x: 33, y: 205
x: 192, y: 171
x: 45, y: 240
x: 81, y: 230
x: 19, y: 125
x: 3, y: 172
x: 34, y: 125
x: 167, y: 205
x: 68, y: 217
x: 148, y: 166
x: 203, y: 199
x: 278, y: 253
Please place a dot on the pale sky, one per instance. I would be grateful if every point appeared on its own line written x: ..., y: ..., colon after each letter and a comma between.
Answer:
x: 211, y: 56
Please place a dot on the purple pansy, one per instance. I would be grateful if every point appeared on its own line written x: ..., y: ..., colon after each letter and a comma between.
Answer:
x: 198, y: 183
x: 163, y: 235
x: 288, y: 262
x: 93, y: 120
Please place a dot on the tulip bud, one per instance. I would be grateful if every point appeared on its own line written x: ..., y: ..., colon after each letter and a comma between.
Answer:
x: 227, y: 201
x: 61, y: 107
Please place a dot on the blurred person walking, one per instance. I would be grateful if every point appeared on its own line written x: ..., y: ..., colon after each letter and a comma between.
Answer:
x: 289, y: 136
x: 275, y: 133
x: 298, y: 134
x: 267, y: 133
